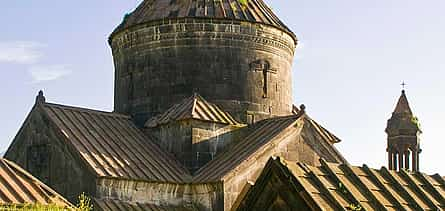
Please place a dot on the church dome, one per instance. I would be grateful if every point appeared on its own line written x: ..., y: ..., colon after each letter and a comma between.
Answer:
x: 243, y: 10
x: 236, y: 55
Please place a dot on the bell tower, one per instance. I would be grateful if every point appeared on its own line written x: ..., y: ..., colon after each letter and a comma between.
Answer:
x: 403, y: 137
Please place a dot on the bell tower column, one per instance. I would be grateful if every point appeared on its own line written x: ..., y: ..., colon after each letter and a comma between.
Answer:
x: 390, y: 160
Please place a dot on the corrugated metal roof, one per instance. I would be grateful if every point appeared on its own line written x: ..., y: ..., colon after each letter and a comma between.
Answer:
x: 261, y: 134
x: 113, y: 146
x: 194, y: 107
x: 341, y: 187
x: 117, y: 205
x: 18, y: 187
x: 255, y: 11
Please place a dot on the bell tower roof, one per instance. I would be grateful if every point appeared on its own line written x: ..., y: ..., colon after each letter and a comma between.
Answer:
x: 403, y: 105
x: 402, y: 119
x: 243, y: 10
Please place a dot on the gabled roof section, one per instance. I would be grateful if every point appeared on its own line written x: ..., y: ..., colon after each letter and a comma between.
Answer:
x: 112, y: 146
x: 117, y: 205
x: 194, y: 107
x: 344, y: 187
x: 252, y: 11
x: 261, y: 134
x: 403, y: 105
x: 330, y: 137
x: 326, y: 134
x: 324, y: 141
x: 18, y: 187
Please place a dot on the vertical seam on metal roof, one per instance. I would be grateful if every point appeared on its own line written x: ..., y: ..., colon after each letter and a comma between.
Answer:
x: 419, y: 192
x: 336, y: 179
x: 91, y: 160
x: 402, y: 191
x: 113, y: 144
x: 379, y: 184
x: 105, y: 162
x: 142, y: 141
x: 363, y: 187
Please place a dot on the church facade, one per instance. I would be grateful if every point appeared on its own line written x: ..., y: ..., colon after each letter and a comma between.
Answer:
x: 203, y: 100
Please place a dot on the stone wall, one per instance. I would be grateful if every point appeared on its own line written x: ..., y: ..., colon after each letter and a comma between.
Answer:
x: 194, y: 142
x: 290, y: 146
x: 39, y: 149
x: 243, y: 67
x: 203, y: 197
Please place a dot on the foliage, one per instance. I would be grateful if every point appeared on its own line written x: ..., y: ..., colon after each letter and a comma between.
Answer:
x: 243, y: 2
x: 355, y: 207
x: 84, y: 203
x: 342, y: 188
x: 415, y: 121
x: 33, y: 207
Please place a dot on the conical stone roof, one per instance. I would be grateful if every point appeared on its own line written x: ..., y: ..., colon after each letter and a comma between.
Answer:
x: 402, y: 119
x: 403, y: 105
x: 244, y: 10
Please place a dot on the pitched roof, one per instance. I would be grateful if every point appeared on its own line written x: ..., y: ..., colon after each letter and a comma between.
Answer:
x: 194, y: 107
x: 261, y: 134
x: 342, y: 187
x: 403, y: 105
x: 117, y: 205
x: 18, y: 187
x: 112, y: 146
x: 327, y: 135
x: 150, y: 10
x: 325, y: 139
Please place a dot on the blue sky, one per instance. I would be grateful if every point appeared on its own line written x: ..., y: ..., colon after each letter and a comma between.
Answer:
x: 353, y: 55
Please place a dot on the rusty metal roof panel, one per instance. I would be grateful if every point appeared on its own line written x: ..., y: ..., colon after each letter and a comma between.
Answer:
x: 113, y: 146
x: 340, y: 185
x: 118, y: 205
x: 18, y: 187
x: 194, y: 107
x: 253, y: 11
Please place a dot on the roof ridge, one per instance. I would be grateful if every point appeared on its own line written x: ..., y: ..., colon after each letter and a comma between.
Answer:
x: 88, y: 110
x: 194, y: 107
x: 195, y: 101
x: 323, y: 130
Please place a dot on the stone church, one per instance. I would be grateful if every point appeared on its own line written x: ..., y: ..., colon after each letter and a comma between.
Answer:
x: 203, y: 101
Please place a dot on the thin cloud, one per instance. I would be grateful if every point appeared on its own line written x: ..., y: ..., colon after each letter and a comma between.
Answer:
x: 20, y: 52
x: 44, y: 73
